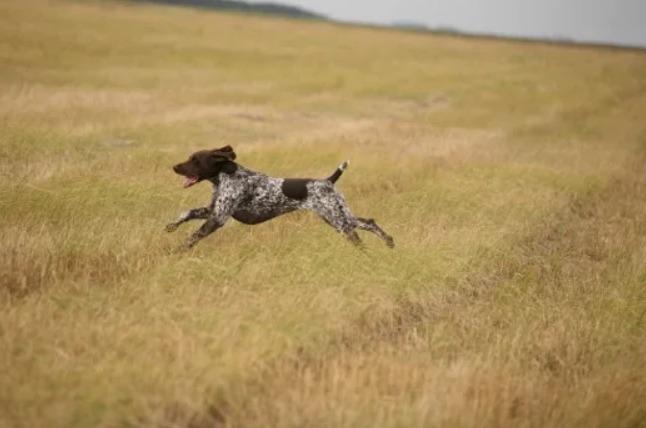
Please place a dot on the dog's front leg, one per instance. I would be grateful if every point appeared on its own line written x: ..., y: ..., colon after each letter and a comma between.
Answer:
x: 224, y: 205
x: 194, y: 214
x: 209, y: 226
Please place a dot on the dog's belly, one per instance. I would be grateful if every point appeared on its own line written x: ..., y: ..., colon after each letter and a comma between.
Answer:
x: 247, y: 216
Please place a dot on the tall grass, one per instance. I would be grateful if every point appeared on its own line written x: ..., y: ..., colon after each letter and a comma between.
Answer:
x: 510, y: 175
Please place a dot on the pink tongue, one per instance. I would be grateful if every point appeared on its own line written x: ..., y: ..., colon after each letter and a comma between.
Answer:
x: 190, y: 181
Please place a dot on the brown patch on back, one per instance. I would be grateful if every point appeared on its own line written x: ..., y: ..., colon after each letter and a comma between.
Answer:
x: 295, y: 188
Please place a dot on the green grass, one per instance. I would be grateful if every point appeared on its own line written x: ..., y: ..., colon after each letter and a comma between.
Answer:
x: 510, y: 174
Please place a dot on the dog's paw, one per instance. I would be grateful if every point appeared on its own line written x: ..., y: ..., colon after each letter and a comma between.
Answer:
x: 190, y: 243
x: 171, y: 227
x: 390, y: 242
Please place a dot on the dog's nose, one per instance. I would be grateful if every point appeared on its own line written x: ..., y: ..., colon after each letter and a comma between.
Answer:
x: 175, y: 168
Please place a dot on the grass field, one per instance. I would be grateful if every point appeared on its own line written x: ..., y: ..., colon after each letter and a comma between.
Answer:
x: 510, y: 174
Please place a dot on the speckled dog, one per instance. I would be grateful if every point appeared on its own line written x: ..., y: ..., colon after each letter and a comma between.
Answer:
x: 251, y: 197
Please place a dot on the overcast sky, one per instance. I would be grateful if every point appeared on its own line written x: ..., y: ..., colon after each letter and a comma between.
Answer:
x: 609, y: 21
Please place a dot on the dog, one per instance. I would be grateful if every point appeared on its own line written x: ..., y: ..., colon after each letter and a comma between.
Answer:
x: 251, y: 197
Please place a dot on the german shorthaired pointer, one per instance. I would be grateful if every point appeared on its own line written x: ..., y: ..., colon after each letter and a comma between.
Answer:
x: 251, y: 197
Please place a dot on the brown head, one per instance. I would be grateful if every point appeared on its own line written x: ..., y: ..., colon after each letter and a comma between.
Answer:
x: 206, y: 164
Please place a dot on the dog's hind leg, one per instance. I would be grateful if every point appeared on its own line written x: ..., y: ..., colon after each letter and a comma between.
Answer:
x: 369, y: 225
x: 344, y: 228
x: 335, y: 212
x: 353, y: 237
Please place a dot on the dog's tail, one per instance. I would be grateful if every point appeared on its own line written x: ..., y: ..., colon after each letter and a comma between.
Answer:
x: 339, y: 170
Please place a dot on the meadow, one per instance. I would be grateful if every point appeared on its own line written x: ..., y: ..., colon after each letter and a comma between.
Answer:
x: 510, y: 174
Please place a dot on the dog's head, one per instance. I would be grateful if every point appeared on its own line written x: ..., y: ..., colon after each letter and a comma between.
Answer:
x: 206, y: 164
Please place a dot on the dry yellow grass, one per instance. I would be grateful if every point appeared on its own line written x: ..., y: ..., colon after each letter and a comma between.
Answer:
x: 510, y: 174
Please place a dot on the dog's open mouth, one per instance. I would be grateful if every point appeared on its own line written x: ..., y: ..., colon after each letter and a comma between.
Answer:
x: 189, y: 181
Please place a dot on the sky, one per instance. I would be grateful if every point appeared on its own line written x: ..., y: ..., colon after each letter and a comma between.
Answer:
x: 606, y: 21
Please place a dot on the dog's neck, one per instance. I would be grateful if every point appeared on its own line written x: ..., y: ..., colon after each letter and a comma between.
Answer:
x: 230, y: 169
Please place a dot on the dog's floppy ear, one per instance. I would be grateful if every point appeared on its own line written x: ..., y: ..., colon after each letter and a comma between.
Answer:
x: 226, y: 153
